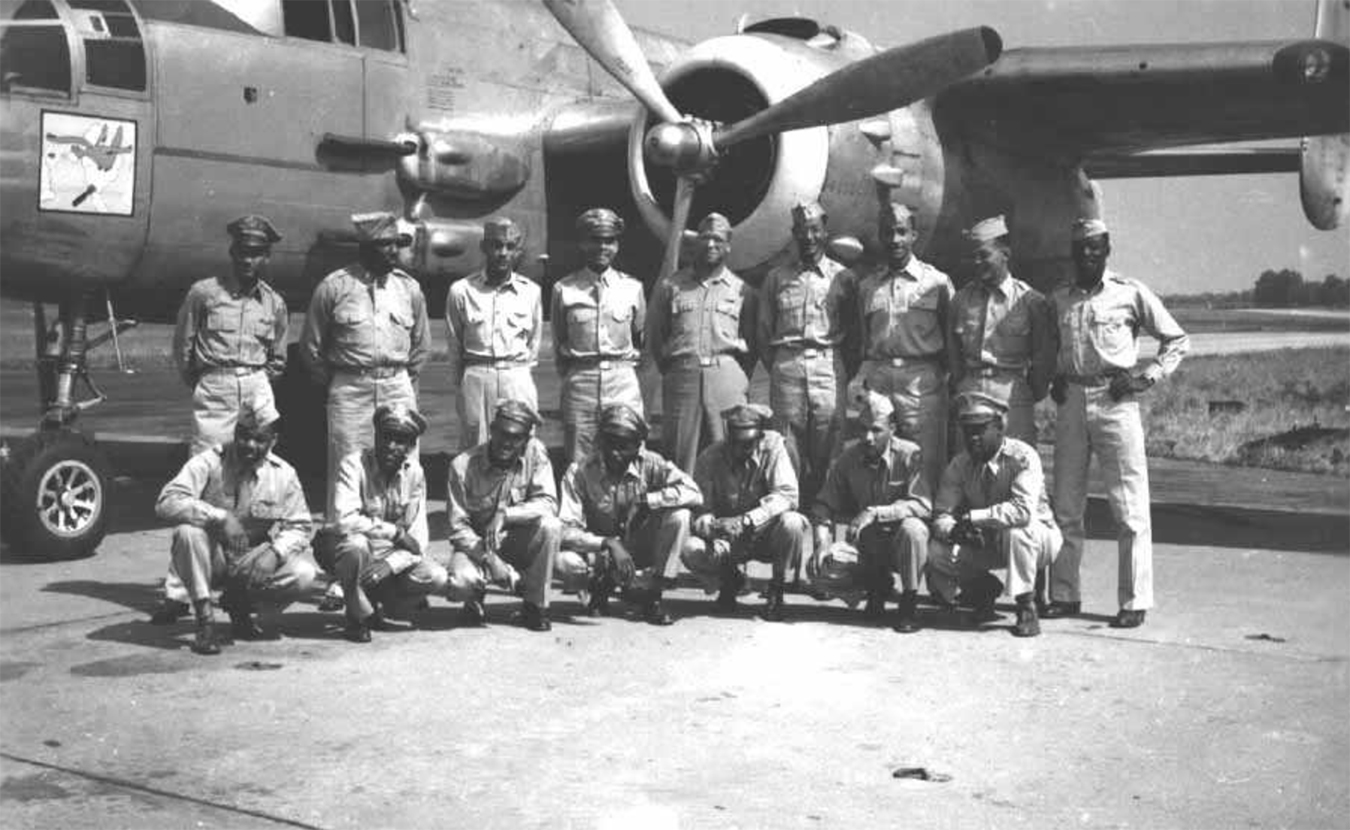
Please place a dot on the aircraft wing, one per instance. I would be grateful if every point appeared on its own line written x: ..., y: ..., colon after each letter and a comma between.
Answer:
x: 1086, y: 103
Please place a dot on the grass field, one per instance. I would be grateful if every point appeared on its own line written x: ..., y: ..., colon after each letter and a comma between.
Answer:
x: 1198, y: 320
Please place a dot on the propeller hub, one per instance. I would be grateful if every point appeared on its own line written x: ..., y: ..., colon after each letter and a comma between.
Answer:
x: 685, y: 147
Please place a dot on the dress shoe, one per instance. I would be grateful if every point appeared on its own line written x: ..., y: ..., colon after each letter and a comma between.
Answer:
x: 653, y: 613
x: 357, y: 632
x: 598, y: 604
x: 1028, y: 625
x: 474, y: 614
x: 377, y: 622
x: 1128, y: 619
x: 1056, y: 610
x: 205, y: 641
x: 980, y: 594
x: 731, y: 588
x: 907, y: 613
x: 169, y: 612
x: 244, y: 627
x: 535, y: 618
x: 773, y: 607
x: 875, y: 608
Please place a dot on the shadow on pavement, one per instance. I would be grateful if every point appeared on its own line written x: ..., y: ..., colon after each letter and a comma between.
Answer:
x: 138, y: 596
x: 1234, y: 527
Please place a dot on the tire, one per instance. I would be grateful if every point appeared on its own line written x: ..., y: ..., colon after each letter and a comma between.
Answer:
x: 56, y: 495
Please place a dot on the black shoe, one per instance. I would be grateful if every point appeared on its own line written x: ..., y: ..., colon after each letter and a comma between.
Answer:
x: 774, y: 608
x: 598, y: 605
x: 377, y: 622
x: 474, y: 614
x: 1028, y: 625
x: 875, y: 608
x: 1056, y: 610
x: 535, y: 618
x: 980, y: 594
x: 1128, y: 619
x: 169, y: 613
x: 357, y: 632
x: 731, y: 588
x: 907, y: 613
x: 205, y: 642
x: 244, y: 627
x: 653, y: 613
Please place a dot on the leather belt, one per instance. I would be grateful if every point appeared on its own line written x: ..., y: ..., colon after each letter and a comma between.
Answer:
x: 494, y: 362
x: 912, y: 360
x: 808, y: 351
x: 701, y: 361
x: 604, y: 364
x: 236, y: 371
x: 986, y: 371
x: 376, y: 372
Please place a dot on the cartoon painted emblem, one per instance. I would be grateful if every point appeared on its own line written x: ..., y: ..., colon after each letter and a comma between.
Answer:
x: 88, y: 164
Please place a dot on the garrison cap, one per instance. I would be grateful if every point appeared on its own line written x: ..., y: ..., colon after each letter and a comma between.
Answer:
x: 621, y: 420
x: 978, y: 408
x: 377, y: 227
x: 600, y: 222
x: 715, y: 224
x: 253, y: 230
x: 1084, y: 228
x: 875, y: 407
x: 803, y: 212
x: 516, y: 412
x: 987, y: 230
x: 401, y: 419
x: 501, y: 227
x: 747, y: 416
x: 897, y: 212
x: 253, y: 418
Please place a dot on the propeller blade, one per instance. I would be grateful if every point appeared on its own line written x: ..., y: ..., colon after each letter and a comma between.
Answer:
x: 679, y: 217
x: 599, y: 29
x: 887, y: 80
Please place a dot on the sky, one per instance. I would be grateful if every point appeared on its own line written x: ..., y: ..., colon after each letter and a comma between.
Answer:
x: 1180, y: 235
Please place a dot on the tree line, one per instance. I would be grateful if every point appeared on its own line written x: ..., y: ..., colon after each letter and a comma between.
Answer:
x: 1285, y: 288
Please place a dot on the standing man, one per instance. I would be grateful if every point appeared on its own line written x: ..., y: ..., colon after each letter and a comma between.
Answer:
x: 1099, y: 318
x: 991, y: 512
x: 365, y: 339
x: 625, y: 513
x: 242, y: 525
x: 377, y: 544
x: 749, y: 510
x: 598, y: 316
x: 701, y: 333
x: 807, y: 312
x: 904, y: 306
x: 503, y: 509
x: 876, y: 486
x: 494, y: 319
x: 1002, y: 337
x: 230, y: 340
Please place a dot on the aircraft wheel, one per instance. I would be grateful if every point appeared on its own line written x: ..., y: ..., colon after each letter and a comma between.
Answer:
x: 54, y: 503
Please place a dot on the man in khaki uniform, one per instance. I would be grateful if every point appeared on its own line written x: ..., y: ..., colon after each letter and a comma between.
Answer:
x: 230, y: 340
x: 991, y: 512
x: 749, y: 510
x: 1097, y: 388
x: 377, y: 543
x: 598, y: 317
x: 503, y: 507
x: 365, y: 339
x: 701, y: 333
x: 494, y: 319
x: 241, y: 524
x: 807, y: 310
x: 904, y: 306
x: 625, y: 513
x: 1002, y: 337
x: 876, y: 488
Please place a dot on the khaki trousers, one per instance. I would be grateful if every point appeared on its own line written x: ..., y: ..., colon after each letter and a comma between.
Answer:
x: 655, y: 544
x: 347, y: 555
x: 584, y: 392
x: 530, y: 548
x: 352, y: 400
x: 1022, y: 550
x: 786, y: 541
x: 918, y: 392
x: 807, y: 397
x: 217, y: 400
x: 480, y: 388
x: 1010, y: 388
x: 692, y: 400
x: 197, y: 566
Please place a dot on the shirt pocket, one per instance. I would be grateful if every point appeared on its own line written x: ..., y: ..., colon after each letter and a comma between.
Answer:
x: 618, y: 323
x: 1014, y: 332
x: 223, y: 318
x: 923, y: 317
x: 351, y: 314
x: 790, y: 305
x: 729, y: 318
x: 1111, y: 333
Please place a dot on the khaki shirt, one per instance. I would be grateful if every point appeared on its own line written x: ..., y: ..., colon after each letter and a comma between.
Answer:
x: 904, y: 313
x: 1008, y: 491
x: 812, y: 306
x: 1098, y: 330
x: 596, y: 505
x: 598, y: 316
x: 371, y: 504
x: 476, y: 490
x: 267, y: 499
x: 358, y: 322
x: 220, y: 326
x: 689, y: 317
x: 766, y: 487
x: 895, y: 487
x: 1009, y: 326
x: 493, y: 324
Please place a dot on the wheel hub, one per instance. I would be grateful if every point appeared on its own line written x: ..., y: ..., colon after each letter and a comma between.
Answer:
x: 69, y: 498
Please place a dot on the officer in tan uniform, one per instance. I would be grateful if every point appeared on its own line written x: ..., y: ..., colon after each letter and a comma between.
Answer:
x: 991, y: 512
x: 701, y: 334
x: 494, y: 319
x: 1097, y: 388
x: 365, y: 339
x: 598, y: 317
x: 1002, y: 337
x: 807, y: 310
x: 230, y: 340
x: 749, y: 510
x: 904, y: 305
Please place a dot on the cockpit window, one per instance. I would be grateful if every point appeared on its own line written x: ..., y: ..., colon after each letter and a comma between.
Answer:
x: 34, y: 54
x: 379, y: 28
x: 113, y: 53
x: 307, y: 19
x: 375, y: 24
x: 342, y: 22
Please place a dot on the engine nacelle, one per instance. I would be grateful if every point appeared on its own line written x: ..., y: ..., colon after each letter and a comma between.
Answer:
x: 1324, y: 170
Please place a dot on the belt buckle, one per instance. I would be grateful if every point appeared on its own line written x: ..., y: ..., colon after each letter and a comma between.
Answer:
x: 605, y: 365
x: 897, y: 361
x: 811, y: 352
x: 705, y: 362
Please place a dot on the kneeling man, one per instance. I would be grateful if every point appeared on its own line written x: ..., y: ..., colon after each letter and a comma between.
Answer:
x: 749, y: 502
x: 991, y: 512
x: 242, y: 526
x: 625, y: 514
x: 877, y: 487
x: 377, y: 545
x: 503, y: 508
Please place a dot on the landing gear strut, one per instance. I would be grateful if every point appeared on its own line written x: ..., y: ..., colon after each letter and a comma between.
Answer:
x: 56, y: 483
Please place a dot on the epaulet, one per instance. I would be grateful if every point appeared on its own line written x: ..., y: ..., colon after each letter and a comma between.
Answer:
x: 279, y: 462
